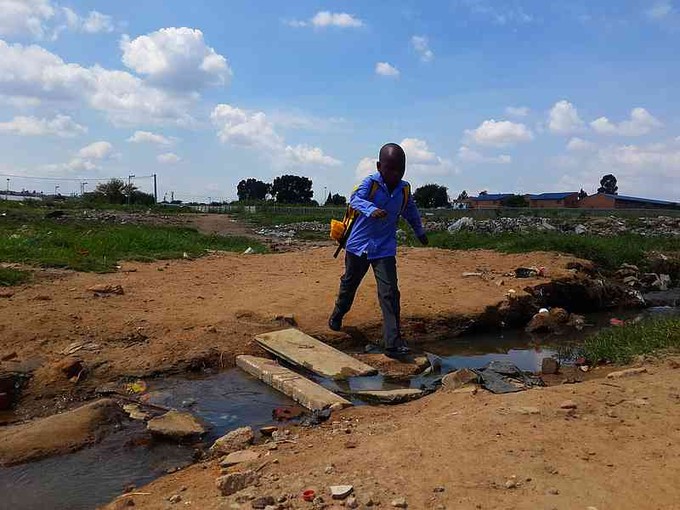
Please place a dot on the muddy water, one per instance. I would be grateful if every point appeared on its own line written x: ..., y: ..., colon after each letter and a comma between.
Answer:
x: 94, y: 476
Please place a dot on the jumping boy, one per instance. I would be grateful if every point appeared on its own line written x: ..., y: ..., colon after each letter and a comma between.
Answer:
x: 373, y: 242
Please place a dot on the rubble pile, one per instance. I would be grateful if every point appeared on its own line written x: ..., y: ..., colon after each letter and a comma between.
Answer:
x: 289, y: 230
x: 606, y: 226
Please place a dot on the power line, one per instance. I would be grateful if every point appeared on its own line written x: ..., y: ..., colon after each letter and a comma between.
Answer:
x: 73, y: 179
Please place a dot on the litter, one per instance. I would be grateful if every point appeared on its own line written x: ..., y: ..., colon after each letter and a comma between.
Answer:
x: 504, y: 377
x: 249, y: 251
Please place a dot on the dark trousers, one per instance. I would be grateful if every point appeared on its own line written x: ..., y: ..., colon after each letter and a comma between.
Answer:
x: 385, y: 271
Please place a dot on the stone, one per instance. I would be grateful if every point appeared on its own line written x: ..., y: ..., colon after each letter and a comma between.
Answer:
x: 352, y: 502
x: 263, y: 502
x: 399, y: 503
x: 459, y: 378
x: 233, y: 441
x: 340, y: 491
x: 465, y: 223
x: 70, y: 367
x: 550, y: 366
x: 511, y: 484
x: 235, y: 482
x: 103, y: 288
x: 135, y: 412
x: 6, y: 294
x: 239, y: 457
x: 527, y: 410
x: 626, y: 373
x: 568, y: 404
x: 553, y: 491
x: 175, y: 498
x: 268, y: 431
x: 175, y: 425
x: 580, y: 229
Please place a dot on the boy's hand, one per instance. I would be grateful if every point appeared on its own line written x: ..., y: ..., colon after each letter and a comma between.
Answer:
x: 379, y: 213
x: 424, y: 240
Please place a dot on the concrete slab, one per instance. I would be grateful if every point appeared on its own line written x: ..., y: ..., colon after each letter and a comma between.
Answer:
x: 307, y: 393
x: 297, y: 348
x: 389, y: 396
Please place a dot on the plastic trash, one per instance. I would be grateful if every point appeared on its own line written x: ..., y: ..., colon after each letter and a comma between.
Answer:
x: 249, y: 251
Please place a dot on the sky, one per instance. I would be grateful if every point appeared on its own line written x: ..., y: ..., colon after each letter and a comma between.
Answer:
x: 506, y: 96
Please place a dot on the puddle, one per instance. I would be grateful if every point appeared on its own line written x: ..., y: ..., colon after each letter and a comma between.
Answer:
x: 94, y: 476
x: 230, y: 399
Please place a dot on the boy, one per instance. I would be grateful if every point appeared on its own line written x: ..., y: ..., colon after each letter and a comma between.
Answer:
x: 379, y: 200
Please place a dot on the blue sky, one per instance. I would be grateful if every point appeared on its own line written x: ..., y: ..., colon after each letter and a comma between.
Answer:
x: 507, y: 96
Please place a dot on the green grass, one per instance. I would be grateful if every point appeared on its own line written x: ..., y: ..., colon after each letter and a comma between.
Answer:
x: 99, y: 247
x: 621, y: 345
x: 267, y: 217
x: 10, y: 276
x: 608, y: 252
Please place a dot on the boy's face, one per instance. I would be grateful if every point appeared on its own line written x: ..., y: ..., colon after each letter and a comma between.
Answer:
x: 392, y: 171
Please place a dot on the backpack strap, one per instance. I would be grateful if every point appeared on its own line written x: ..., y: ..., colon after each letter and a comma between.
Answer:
x: 407, y: 193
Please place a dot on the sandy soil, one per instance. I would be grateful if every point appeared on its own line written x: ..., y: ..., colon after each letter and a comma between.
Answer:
x: 182, y: 315
x: 618, y: 448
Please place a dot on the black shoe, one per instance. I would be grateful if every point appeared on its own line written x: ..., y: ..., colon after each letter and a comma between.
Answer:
x: 335, y: 324
x: 397, y: 353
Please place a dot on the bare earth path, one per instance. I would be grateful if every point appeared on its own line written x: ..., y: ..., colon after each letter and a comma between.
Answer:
x: 618, y: 449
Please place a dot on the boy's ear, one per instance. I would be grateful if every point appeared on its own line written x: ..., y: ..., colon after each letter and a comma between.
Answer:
x: 377, y: 165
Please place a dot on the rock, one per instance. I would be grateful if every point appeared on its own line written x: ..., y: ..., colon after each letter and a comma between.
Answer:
x: 465, y: 223
x: 234, y: 441
x: 340, y: 491
x: 352, y: 502
x: 511, y: 484
x: 553, y: 491
x: 6, y: 294
x: 135, y: 412
x: 439, y: 489
x: 626, y: 373
x: 631, y: 281
x: 263, y: 502
x: 175, y: 425
x: 550, y: 366
x: 459, y: 378
x: 663, y: 282
x: 235, y: 482
x: 568, y: 404
x: 70, y: 367
x: 288, y: 318
x: 268, y: 431
x: 399, y: 503
x: 239, y: 457
x: 580, y: 229
x: 175, y: 498
x: 103, y: 288
x: 527, y: 410
x: 328, y: 470
x: 559, y: 315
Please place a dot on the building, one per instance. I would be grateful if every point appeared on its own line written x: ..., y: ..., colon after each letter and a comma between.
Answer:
x: 489, y: 201
x: 607, y: 201
x: 553, y: 200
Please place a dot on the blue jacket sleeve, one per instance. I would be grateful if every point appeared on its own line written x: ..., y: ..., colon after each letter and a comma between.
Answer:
x: 412, y: 215
x: 359, y: 199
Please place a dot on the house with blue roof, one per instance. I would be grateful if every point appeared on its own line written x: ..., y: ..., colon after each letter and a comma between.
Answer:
x: 553, y: 200
x: 607, y: 201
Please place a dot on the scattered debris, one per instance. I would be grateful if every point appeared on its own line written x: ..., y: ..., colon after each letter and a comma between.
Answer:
x: 399, y: 503
x: 340, y: 491
x: 627, y: 373
x: 249, y: 251
x: 309, y: 495
x: 568, y: 404
x: 459, y: 378
x: 135, y: 412
x: 103, y: 288
x: 504, y: 377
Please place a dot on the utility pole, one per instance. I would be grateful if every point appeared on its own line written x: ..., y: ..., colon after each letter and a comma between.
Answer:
x: 56, y: 189
x: 82, y: 188
x: 155, y: 190
x: 129, y: 197
x: 7, y: 195
x: 172, y: 196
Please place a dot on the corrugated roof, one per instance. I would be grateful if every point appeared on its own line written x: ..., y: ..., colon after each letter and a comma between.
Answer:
x: 553, y: 196
x: 639, y: 199
x: 491, y: 197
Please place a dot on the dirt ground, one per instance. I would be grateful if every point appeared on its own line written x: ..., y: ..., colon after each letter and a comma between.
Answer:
x: 616, y: 448
x: 180, y: 315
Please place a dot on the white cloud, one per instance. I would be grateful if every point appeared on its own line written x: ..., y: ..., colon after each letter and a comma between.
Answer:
x: 96, y: 150
x: 19, y: 17
x: 422, y: 161
x: 365, y: 168
x: 472, y: 156
x: 564, y: 118
x: 168, y: 158
x: 324, y: 19
x: 176, y: 58
x: 517, y: 111
x: 641, y: 122
x: 386, y: 69
x: 148, y: 137
x: 660, y: 10
x: 496, y: 12
x: 32, y: 73
x: 305, y: 155
x: 94, y: 23
x: 255, y: 130
x: 579, y: 144
x: 499, y: 133
x: 422, y: 46
x: 61, y: 125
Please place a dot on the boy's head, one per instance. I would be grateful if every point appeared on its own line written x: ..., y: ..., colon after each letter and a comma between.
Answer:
x: 392, y: 164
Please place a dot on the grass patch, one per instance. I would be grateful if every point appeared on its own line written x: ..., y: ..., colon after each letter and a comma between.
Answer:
x: 608, y: 252
x: 267, y: 218
x: 10, y: 276
x: 621, y: 345
x: 99, y: 247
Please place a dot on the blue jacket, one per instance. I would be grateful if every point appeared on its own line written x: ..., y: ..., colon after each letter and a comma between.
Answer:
x: 377, y: 237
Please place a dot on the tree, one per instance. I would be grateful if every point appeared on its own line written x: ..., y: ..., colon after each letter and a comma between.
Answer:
x: 114, y: 191
x: 482, y: 193
x: 336, y: 199
x: 252, y: 189
x: 582, y: 194
x: 515, y: 201
x: 463, y: 196
x: 431, y: 196
x: 608, y: 185
x: 292, y: 189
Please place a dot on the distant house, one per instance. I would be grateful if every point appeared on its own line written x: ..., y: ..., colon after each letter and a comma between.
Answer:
x: 489, y: 201
x: 553, y: 200
x: 607, y: 201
